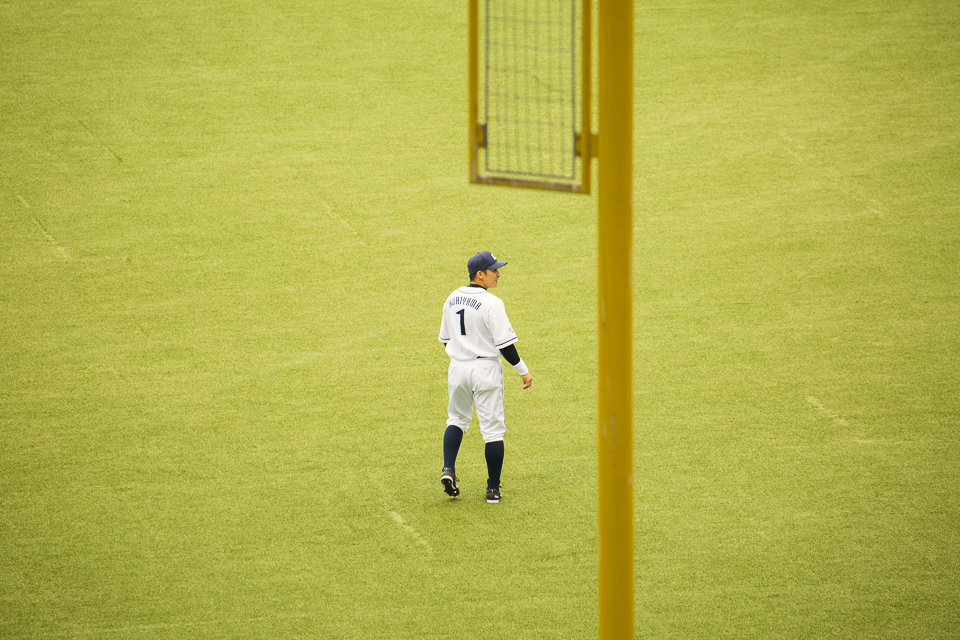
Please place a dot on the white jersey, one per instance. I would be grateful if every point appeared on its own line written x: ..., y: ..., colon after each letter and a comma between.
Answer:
x: 475, y: 324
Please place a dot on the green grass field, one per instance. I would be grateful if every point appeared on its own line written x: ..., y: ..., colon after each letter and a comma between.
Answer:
x: 226, y: 231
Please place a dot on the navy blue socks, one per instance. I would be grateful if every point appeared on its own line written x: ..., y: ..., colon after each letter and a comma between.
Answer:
x: 452, y: 438
x: 493, y: 451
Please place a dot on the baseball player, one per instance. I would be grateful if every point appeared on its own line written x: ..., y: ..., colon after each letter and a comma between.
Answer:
x: 476, y: 332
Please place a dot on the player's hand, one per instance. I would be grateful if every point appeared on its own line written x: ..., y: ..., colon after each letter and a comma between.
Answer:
x: 527, y: 380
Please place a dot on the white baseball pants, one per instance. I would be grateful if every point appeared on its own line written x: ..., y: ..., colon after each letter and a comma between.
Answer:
x: 477, y: 382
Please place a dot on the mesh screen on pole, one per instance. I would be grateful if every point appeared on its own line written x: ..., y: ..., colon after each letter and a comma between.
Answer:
x: 529, y: 106
x: 530, y: 87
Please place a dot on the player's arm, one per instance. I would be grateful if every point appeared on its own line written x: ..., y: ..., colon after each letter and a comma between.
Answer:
x: 510, y: 354
x: 444, y: 336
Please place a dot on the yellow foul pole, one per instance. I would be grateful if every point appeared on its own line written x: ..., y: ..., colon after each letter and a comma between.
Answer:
x: 615, y: 356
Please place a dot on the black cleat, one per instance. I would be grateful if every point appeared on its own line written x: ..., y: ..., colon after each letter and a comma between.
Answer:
x: 449, y: 482
x: 493, y: 495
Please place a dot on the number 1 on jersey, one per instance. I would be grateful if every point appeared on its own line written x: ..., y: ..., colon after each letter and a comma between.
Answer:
x: 463, y: 325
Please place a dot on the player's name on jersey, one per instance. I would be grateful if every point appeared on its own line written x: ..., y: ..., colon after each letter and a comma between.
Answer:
x: 465, y: 301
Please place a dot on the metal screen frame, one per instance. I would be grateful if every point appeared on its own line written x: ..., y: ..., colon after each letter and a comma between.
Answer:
x: 585, y: 145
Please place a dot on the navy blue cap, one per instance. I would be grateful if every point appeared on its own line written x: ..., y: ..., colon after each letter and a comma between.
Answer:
x: 482, y: 262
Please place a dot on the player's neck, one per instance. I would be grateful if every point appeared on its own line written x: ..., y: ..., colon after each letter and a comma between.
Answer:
x: 477, y: 284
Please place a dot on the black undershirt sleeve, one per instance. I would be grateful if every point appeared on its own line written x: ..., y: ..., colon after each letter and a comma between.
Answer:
x: 510, y: 354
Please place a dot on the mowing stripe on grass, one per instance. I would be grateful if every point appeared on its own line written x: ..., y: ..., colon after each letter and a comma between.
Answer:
x: 816, y: 404
x: 413, y: 532
x: 346, y: 224
x: 100, y: 141
x: 43, y: 230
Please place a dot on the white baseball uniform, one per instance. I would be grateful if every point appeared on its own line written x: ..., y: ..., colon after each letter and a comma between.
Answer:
x: 474, y: 328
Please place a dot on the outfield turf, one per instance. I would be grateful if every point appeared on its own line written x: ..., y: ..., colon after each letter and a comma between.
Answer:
x: 226, y: 230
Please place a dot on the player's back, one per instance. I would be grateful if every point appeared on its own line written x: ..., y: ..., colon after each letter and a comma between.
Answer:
x: 474, y: 324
